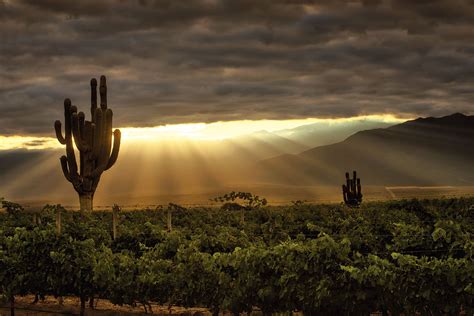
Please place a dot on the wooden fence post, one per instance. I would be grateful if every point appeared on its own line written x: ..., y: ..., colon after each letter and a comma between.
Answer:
x: 35, y: 214
x: 168, y: 222
x: 58, y: 233
x: 115, y: 211
x: 58, y: 221
x: 12, y: 305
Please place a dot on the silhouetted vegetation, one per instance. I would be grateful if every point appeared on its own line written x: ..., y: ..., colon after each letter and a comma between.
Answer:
x: 93, y: 140
x: 247, y: 201
x: 352, y: 191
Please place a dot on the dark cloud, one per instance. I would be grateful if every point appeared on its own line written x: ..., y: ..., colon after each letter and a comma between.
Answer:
x: 35, y: 143
x: 206, y: 60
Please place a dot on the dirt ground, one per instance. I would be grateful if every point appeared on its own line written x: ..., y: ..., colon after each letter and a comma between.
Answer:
x: 71, y: 306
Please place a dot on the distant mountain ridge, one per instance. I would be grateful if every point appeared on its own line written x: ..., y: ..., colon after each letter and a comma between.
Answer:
x: 425, y: 151
x: 325, y: 133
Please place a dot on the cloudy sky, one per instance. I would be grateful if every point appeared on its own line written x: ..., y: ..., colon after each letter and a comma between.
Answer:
x: 175, y: 62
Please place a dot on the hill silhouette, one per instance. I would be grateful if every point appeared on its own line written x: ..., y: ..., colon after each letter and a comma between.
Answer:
x: 425, y: 151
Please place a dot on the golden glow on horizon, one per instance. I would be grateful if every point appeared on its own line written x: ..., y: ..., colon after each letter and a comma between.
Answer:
x: 174, y: 131
x: 194, y: 131
x: 230, y: 129
x: 27, y: 142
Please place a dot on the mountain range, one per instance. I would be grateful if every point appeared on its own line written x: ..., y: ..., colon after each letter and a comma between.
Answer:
x: 425, y: 151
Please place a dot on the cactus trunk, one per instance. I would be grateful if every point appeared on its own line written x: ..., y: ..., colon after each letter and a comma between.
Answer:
x: 85, y: 201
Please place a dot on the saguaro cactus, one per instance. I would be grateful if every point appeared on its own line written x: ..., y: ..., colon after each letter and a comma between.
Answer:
x: 93, y: 140
x: 352, y: 191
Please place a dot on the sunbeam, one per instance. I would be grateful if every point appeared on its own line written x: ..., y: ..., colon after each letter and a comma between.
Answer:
x: 193, y: 162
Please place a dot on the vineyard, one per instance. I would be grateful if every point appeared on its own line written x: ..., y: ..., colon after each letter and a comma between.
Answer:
x: 410, y: 256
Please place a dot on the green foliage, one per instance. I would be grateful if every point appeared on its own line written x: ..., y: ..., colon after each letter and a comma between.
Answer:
x: 401, y: 256
x: 13, y: 209
x: 249, y: 201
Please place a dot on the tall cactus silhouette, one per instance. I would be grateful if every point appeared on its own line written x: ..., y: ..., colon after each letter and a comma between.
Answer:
x: 352, y: 191
x: 93, y: 140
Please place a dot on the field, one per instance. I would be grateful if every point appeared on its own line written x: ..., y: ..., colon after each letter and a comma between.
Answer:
x: 402, y: 256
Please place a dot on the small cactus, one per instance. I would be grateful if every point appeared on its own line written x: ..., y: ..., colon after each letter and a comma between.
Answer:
x: 93, y: 140
x: 352, y: 191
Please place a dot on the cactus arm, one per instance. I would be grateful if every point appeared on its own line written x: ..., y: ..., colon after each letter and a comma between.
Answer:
x: 76, y: 131
x: 71, y: 160
x: 349, y: 190
x: 70, y: 176
x: 67, y: 118
x: 59, y: 135
x: 103, y: 93
x: 87, y: 136
x: 82, y: 155
x: 102, y: 158
x: 81, y: 118
x: 106, y: 162
x: 73, y: 110
x: 71, y: 157
x: 68, y: 162
x: 354, y: 182
x: 67, y: 127
x: 93, y: 98
x: 359, y: 190
x: 88, y: 132
x: 64, y: 167
x: 344, y: 193
x: 115, y: 150
x: 107, y: 138
x: 97, y: 142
